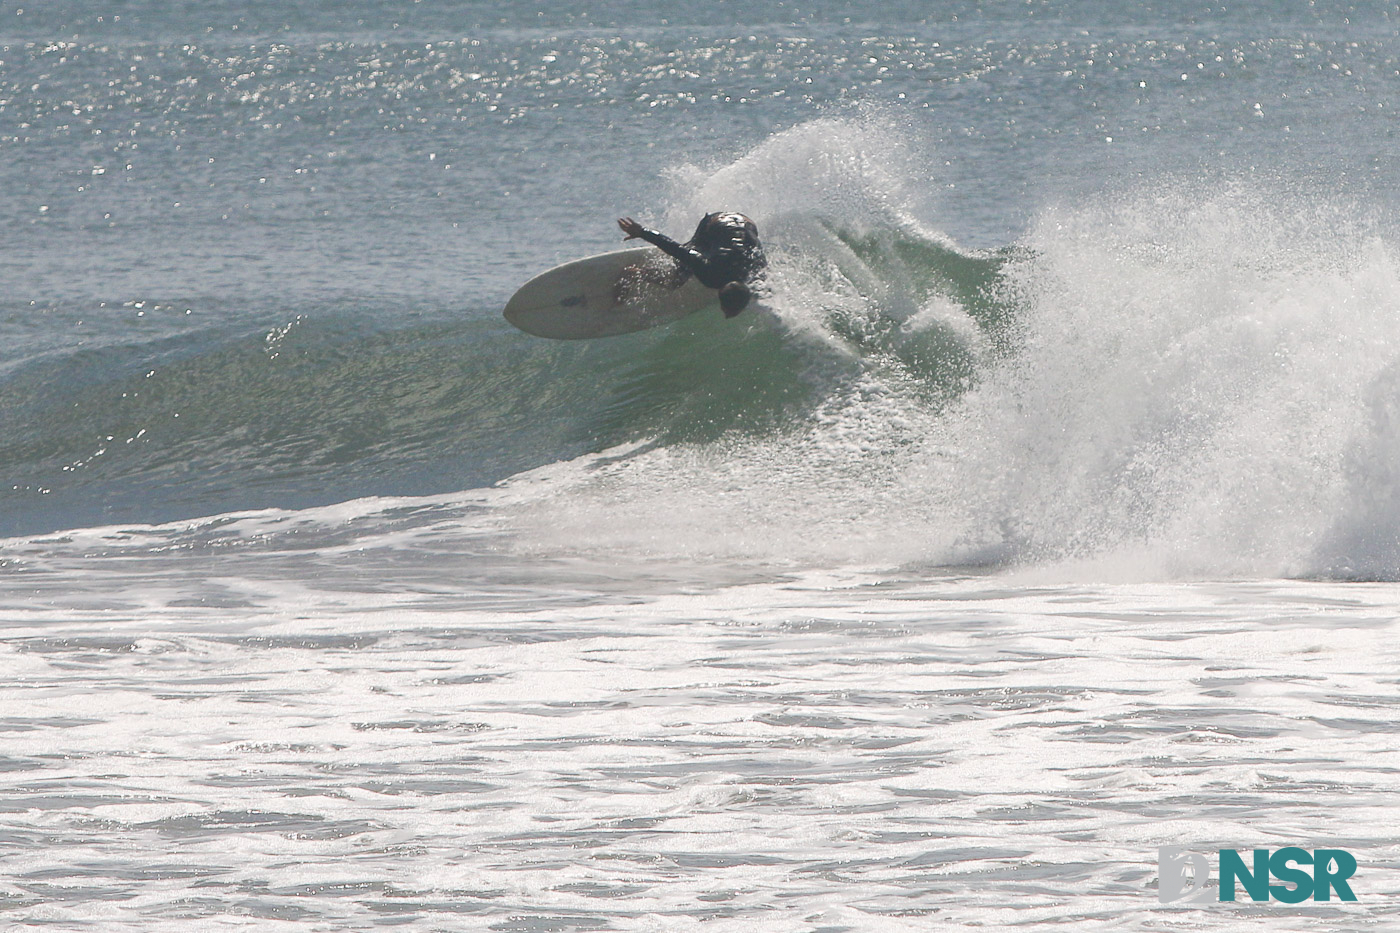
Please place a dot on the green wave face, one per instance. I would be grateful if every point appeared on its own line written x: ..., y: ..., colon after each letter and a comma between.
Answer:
x: 318, y: 410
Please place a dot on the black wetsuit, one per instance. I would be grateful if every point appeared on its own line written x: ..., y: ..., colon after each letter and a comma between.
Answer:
x: 724, y: 249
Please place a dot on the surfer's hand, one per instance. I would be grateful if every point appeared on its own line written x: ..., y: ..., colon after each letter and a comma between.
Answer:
x: 630, y: 227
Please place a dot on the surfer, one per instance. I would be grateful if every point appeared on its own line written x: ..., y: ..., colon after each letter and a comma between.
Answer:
x: 723, y: 254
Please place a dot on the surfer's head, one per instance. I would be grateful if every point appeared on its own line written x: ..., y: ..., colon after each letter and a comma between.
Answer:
x: 734, y: 298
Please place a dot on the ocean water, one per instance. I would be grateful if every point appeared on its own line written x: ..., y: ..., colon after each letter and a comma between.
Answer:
x: 1047, y: 511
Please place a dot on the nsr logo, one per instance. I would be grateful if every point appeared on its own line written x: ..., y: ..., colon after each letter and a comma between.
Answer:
x: 1330, y: 870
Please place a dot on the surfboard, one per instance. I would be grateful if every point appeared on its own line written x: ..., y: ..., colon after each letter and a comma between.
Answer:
x: 605, y: 295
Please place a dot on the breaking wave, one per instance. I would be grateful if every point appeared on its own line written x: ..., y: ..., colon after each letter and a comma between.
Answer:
x: 1167, y: 381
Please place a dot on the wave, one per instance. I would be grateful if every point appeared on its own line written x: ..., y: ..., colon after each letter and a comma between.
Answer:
x: 1190, y: 379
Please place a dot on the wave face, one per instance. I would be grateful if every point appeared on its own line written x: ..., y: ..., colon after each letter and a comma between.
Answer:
x: 344, y: 400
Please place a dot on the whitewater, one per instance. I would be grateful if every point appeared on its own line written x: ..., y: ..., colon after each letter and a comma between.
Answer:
x: 1044, y: 513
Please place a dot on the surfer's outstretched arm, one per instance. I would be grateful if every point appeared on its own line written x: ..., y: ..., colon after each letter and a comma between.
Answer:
x: 687, y: 256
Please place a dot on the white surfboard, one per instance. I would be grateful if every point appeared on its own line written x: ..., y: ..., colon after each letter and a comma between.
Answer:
x: 605, y: 295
